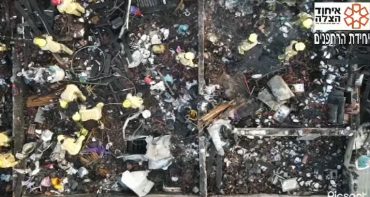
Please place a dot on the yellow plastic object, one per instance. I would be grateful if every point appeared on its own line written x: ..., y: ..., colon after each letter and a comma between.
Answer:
x: 94, y: 113
x: 71, y: 145
x: 40, y: 42
x: 186, y: 59
x: 57, y: 183
x: 7, y: 160
x: 248, y: 44
x: 134, y: 102
x: 158, y: 49
x: 4, y: 140
x: 83, y: 132
x: 71, y: 93
x: 305, y: 20
x: 47, y: 44
x: 71, y: 7
x: 63, y: 104
x: 76, y: 117
x: 3, y: 47
x: 193, y: 114
x: 127, y: 104
x: 253, y: 38
x: 299, y: 46
x: 307, y: 23
x: 292, y: 50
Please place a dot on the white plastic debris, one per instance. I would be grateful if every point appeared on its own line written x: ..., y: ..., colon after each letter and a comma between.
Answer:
x: 158, y: 152
x: 256, y: 76
x: 268, y: 99
x: 82, y: 172
x: 279, y: 88
x: 165, y: 32
x: 282, y: 113
x: 155, y: 39
x: 298, y: 88
x: 212, y: 37
x: 46, y: 135
x: 158, y: 86
x: 214, y: 132
x: 39, y: 117
x: 210, y: 89
x: 359, y: 80
x: 137, y: 181
x: 146, y: 114
x: 137, y: 58
x: 289, y: 185
x: 56, y: 74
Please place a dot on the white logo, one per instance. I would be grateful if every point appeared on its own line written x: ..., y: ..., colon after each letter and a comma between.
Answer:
x: 335, y: 194
x: 341, y: 16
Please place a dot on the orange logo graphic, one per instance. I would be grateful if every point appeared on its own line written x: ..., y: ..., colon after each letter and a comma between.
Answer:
x: 356, y: 16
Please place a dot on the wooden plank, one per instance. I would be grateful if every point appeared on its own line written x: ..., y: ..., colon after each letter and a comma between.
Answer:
x: 37, y: 101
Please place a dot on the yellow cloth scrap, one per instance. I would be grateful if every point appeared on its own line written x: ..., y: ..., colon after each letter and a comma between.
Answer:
x: 248, y: 44
x: 71, y: 145
x: 94, y: 113
x: 71, y: 93
x: 305, y: 20
x: 186, y: 59
x: 7, y: 160
x: 57, y: 183
x: 292, y: 50
x: 4, y: 140
x: 3, y: 47
x: 134, y: 102
x: 71, y: 7
x: 46, y: 43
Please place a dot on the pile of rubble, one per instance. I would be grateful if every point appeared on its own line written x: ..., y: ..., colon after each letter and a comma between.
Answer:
x: 111, y: 90
x: 261, y: 60
x: 277, y: 165
x: 294, y: 84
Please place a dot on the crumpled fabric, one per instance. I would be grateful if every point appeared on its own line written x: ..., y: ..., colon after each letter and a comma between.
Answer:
x: 214, y: 132
x: 158, y: 152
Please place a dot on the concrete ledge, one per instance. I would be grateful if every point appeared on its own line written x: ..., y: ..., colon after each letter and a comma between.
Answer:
x: 304, y: 132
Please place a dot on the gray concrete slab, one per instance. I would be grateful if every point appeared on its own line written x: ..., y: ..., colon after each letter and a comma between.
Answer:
x: 364, y: 182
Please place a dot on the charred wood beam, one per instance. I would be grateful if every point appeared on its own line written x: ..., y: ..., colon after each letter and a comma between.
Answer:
x: 18, y: 120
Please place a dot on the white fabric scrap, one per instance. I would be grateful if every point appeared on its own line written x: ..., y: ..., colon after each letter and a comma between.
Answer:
x: 137, y: 181
x: 214, y: 132
x: 158, y: 152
